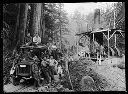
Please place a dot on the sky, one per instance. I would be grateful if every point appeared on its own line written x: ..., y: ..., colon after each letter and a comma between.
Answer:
x: 85, y: 8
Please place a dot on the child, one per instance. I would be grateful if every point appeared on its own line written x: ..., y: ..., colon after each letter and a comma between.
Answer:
x: 59, y: 71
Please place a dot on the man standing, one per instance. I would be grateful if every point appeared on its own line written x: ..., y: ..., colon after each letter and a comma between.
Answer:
x: 37, y: 39
x: 52, y: 67
x: 45, y: 70
x: 36, y: 74
x: 53, y: 64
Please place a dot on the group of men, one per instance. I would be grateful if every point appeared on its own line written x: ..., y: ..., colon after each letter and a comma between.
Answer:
x: 48, y: 63
x: 29, y: 40
x: 48, y: 68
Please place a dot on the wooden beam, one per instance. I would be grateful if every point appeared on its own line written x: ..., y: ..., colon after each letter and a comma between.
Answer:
x: 121, y: 33
x: 97, y: 55
x: 112, y: 34
x: 121, y: 19
x: 105, y: 36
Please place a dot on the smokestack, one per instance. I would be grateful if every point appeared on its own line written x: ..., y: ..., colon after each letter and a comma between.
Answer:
x: 97, y: 27
x: 97, y: 19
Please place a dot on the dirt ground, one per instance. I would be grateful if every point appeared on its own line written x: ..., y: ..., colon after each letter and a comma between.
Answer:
x: 26, y: 88
x: 114, y: 75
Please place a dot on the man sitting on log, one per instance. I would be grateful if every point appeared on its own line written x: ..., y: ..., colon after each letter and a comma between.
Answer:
x: 37, y: 39
x: 28, y: 39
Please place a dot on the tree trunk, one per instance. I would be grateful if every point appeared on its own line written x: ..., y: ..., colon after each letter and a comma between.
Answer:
x: 31, y: 19
x: 22, y: 21
x: 36, y: 19
x: 42, y: 22
x: 16, y: 27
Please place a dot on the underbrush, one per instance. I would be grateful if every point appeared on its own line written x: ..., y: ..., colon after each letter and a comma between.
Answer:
x: 65, y: 80
x: 80, y: 69
x: 6, y: 71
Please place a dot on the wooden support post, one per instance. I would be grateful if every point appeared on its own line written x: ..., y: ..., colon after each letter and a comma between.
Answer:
x: 97, y: 56
x: 112, y: 35
x: 115, y: 40
x: 77, y: 46
x: 108, y: 43
x: 105, y: 36
x: 93, y: 37
x: 93, y: 42
x: 100, y: 60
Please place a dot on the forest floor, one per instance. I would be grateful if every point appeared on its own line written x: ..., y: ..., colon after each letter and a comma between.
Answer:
x: 107, y: 76
x: 25, y: 87
x: 114, y: 76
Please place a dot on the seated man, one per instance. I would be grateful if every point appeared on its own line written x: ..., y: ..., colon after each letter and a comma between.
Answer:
x: 28, y: 39
x: 35, y: 58
x: 28, y: 55
x: 37, y: 39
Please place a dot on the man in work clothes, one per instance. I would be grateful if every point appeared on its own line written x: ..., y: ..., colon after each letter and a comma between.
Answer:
x: 36, y: 74
x: 52, y: 67
x: 28, y: 39
x: 53, y: 63
x: 45, y: 70
x: 37, y: 39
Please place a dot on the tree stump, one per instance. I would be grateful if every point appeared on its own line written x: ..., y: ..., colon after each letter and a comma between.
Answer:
x: 87, y: 83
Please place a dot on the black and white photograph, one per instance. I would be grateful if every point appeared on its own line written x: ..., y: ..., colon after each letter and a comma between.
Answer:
x: 64, y: 47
